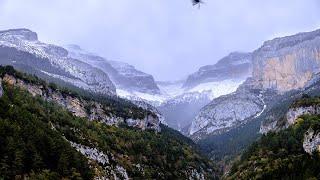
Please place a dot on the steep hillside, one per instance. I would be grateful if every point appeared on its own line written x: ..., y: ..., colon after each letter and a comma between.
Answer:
x: 226, y: 146
x: 292, y: 153
x: 109, y: 110
x: 42, y: 140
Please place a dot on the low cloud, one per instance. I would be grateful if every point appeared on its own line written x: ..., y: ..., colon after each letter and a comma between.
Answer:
x: 166, y: 38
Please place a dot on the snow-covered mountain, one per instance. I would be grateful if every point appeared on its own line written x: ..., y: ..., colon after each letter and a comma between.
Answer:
x: 22, y: 49
x: 123, y: 75
x: 182, y: 105
x: 177, y: 103
x: 184, y: 99
x: 234, y: 66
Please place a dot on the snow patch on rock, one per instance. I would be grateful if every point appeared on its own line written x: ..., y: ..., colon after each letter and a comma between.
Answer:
x: 218, y: 89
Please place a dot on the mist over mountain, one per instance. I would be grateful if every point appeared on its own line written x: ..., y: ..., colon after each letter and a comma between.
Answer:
x: 190, y: 90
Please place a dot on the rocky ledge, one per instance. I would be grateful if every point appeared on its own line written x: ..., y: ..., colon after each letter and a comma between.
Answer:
x: 83, y: 108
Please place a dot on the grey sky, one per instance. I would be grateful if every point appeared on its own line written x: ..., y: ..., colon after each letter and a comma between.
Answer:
x: 166, y: 38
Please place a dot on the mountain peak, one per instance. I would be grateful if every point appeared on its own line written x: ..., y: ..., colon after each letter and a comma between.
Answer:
x: 289, y: 41
x: 23, y: 33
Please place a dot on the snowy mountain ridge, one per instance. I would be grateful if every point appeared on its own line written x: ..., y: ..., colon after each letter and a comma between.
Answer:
x: 18, y: 45
x: 122, y: 74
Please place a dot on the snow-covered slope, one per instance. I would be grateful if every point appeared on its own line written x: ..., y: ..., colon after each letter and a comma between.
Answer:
x: 22, y: 49
x: 123, y: 75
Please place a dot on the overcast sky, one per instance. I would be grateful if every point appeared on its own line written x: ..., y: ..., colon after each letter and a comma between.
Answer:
x: 166, y: 38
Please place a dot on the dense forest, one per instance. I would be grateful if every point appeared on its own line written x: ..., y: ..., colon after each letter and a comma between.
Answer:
x: 280, y: 155
x: 35, y: 136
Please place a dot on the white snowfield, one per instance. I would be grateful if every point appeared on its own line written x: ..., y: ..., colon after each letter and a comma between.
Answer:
x: 218, y: 88
x: 172, y: 91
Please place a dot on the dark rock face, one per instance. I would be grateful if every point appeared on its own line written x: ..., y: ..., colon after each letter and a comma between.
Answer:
x: 21, y: 49
x: 287, y: 63
x: 123, y: 75
x: 234, y: 66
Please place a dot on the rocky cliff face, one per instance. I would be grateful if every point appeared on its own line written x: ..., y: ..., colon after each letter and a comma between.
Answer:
x: 83, y: 108
x: 227, y: 112
x: 311, y: 141
x: 287, y: 63
x: 22, y: 49
x: 234, y: 66
x: 123, y: 75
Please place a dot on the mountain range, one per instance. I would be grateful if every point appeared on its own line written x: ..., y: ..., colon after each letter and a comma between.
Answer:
x: 223, y: 107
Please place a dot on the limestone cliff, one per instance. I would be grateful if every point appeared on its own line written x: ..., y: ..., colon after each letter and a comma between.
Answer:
x: 83, y: 108
x: 287, y: 63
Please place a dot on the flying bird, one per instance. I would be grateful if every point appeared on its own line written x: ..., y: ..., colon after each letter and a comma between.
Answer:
x: 197, y: 2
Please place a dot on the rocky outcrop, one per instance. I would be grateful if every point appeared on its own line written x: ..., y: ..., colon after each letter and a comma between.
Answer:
x: 226, y: 112
x: 101, y: 162
x: 311, y: 141
x: 234, y: 66
x: 22, y: 49
x: 123, y: 75
x: 92, y: 153
x: 287, y: 63
x: 83, y: 108
x: 288, y: 108
x: 293, y: 113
